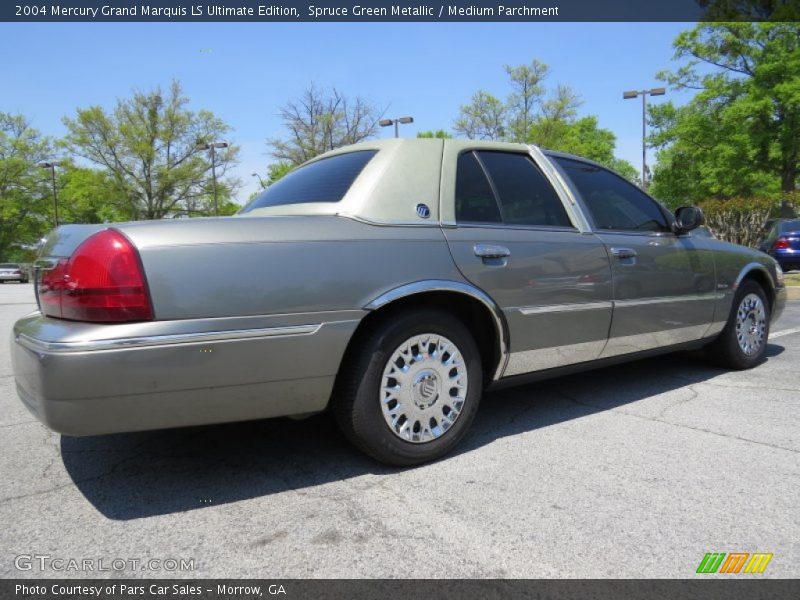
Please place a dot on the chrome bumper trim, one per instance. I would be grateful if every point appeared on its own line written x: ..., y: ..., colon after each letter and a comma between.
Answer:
x: 163, y: 340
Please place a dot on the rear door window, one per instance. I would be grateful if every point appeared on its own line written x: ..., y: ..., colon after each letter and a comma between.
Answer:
x: 508, y: 188
x: 325, y: 180
x: 475, y: 200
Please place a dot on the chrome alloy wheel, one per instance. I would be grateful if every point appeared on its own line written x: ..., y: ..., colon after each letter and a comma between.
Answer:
x: 423, y: 388
x: 751, y: 324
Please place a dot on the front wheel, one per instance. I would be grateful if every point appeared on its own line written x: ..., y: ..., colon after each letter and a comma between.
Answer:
x: 743, y: 342
x: 411, y: 389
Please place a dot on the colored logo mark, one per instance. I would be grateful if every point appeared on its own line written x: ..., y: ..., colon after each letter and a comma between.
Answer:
x: 734, y: 562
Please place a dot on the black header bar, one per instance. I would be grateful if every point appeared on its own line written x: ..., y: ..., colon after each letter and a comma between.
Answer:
x: 259, y: 11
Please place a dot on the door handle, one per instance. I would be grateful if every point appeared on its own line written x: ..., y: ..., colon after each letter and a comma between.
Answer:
x: 623, y: 253
x: 491, y: 251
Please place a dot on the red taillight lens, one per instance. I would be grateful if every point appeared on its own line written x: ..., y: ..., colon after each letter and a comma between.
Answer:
x: 102, y: 282
x: 780, y: 244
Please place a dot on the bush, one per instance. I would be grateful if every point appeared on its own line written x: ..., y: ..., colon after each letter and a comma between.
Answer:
x: 739, y: 220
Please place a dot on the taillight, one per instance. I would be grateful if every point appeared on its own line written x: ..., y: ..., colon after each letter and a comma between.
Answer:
x: 101, y: 282
x: 780, y: 244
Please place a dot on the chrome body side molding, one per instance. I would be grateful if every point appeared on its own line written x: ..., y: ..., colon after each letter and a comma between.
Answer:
x: 552, y: 308
x: 163, y: 340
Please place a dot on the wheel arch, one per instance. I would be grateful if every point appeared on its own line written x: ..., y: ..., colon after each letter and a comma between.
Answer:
x: 760, y: 274
x: 476, y: 309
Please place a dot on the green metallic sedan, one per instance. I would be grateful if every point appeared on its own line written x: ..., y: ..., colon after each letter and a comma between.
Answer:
x: 390, y: 282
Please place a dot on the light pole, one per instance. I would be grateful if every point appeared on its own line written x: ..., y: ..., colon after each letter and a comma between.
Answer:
x: 644, y: 93
x: 213, y: 146
x: 260, y: 181
x: 52, y: 166
x: 396, y: 123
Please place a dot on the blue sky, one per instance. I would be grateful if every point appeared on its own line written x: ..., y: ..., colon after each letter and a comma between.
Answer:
x: 244, y: 72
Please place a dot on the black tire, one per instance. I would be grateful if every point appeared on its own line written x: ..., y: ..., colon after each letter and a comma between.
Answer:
x: 726, y: 350
x: 357, y: 402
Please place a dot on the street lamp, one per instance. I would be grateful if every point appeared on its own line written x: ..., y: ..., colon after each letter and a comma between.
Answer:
x: 644, y: 93
x: 261, y: 181
x: 395, y: 122
x: 213, y: 146
x: 52, y: 166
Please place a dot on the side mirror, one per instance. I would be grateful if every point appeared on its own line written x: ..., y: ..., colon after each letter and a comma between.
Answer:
x: 688, y: 218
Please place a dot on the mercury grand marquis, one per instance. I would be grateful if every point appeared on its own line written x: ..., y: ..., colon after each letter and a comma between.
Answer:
x: 389, y: 282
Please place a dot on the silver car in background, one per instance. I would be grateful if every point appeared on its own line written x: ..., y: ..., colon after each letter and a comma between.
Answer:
x: 391, y: 282
x: 13, y: 272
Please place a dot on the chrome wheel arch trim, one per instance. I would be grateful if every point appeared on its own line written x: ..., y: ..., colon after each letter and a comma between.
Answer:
x: 446, y: 285
x: 749, y: 268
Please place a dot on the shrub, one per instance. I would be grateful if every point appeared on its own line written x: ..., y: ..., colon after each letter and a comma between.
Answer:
x: 739, y: 220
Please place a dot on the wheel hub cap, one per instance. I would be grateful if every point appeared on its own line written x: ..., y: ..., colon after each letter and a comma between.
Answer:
x: 424, y: 387
x: 751, y: 324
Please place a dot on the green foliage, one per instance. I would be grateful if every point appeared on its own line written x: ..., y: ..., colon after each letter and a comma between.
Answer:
x: 26, y: 206
x: 150, y: 146
x: 278, y: 170
x: 739, y: 220
x: 484, y: 118
x: 530, y: 115
x: 740, y: 135
x: 438, y: 134
x: 89, y: 196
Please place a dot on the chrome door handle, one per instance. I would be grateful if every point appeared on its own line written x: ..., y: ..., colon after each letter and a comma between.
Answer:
x: 623, y: 253
x: 491, y: 251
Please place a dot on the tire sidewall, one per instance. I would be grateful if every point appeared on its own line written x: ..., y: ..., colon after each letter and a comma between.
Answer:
x: 373, y: 432
x: 742, y: 360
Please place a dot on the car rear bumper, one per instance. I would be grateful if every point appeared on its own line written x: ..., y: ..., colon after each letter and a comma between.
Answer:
x: 13, y: 278
x: 788, y: 259
x: 107, y: 383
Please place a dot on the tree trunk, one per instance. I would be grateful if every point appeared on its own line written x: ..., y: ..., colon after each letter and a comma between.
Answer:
x: 788, y: 187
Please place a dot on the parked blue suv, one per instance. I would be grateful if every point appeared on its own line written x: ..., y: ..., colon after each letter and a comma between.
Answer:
x: 783, y: 243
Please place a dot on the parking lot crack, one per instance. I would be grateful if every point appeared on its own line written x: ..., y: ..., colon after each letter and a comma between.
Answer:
x: 680, y: 425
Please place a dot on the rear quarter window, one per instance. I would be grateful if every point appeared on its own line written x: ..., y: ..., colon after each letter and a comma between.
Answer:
x: 325, y: 180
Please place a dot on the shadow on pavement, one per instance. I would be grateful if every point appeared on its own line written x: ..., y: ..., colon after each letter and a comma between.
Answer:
x: 135, y: 475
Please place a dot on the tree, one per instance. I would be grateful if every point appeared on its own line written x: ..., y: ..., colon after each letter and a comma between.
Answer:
x: 26, y: 206
x: 321, y: 120
x: 530, y: 115
x: 277, y: 171
x: 528, y: 91
x: 90, y: 196
x: 150, y: 145
x: 740, y: 135
x: 438, y: 134
x: 484, y: 118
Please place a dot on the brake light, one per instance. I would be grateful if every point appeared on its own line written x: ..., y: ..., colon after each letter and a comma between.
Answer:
x: 102, y: 281
x: 780, y: 244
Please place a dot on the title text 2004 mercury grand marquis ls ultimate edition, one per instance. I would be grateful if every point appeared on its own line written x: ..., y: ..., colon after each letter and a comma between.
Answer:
x: 391, y: 281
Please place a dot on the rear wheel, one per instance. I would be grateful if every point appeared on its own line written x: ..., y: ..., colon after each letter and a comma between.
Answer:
x: 412, y: 388
x: 743, y: 342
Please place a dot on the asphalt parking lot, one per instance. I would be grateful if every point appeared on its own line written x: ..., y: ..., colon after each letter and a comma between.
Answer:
x: 630, y: 471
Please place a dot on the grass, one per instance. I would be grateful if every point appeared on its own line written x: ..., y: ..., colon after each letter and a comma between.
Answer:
x: 792, y: 279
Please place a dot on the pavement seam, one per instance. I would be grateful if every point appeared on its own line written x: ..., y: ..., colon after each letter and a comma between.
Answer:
x: 680, y: 425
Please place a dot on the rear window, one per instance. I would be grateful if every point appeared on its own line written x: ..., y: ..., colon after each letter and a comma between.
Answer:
x: 791, y: 226
x: 8, y: 266
x: 325, y: 180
